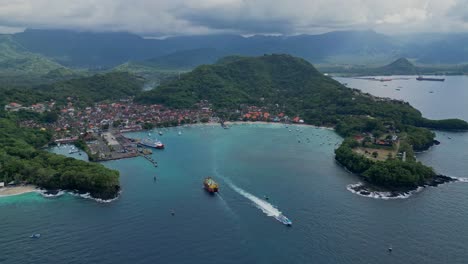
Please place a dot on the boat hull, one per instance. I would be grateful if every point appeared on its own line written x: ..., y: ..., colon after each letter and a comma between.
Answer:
x: 430, y: 79
x: 211, y: 190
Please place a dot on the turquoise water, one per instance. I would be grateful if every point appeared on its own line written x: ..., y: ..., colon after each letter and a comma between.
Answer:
x: 330, y: 224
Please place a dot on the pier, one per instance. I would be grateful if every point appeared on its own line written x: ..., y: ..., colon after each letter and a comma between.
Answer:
x: 150, y: 159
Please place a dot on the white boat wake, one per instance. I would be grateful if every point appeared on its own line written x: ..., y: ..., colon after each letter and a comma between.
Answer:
x: 261, y: 204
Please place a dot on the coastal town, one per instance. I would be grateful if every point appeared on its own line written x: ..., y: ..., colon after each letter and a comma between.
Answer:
x: 101, y: 127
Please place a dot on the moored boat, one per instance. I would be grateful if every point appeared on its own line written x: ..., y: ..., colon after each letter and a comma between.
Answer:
x: 210, y: 185
x: 152, y: 143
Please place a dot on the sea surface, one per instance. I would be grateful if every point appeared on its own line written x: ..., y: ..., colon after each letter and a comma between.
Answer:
x: 294, y: 169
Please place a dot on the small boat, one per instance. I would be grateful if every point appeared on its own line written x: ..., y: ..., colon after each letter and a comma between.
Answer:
x: 283, y: 219
x: 431, y: 92
x: 210, y: 185
x: 160, y: 133
x: 180, y: 133
x: 36, y: 235
x: 398, y: 89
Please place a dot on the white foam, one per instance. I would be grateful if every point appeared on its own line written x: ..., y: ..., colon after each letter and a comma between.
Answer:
x: 46, y: 195
x: 88, y: 196
x: 380, y: 195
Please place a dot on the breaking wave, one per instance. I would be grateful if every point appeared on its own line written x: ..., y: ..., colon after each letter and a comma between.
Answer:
x: 460, y: 179
x: 88, y: 196
x: 360, y: 189
x: 50, y: 194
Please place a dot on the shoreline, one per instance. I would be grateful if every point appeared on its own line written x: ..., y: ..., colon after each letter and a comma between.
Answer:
x: 261, y: 123
x: 17, y: 190
x: 369, y: 190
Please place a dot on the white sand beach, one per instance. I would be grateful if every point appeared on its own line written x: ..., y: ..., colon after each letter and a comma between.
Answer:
x: 16, y: 190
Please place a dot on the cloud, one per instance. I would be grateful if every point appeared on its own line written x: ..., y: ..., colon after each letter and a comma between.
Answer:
x: 182, y: 17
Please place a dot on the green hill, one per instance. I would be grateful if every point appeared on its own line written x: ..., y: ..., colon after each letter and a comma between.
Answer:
x: 18, y: 66
x: 14, y: 59
x: 85, y: 90
x: 283, y: 80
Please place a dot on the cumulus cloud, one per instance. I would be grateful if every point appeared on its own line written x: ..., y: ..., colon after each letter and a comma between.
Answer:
x: 182, y: 17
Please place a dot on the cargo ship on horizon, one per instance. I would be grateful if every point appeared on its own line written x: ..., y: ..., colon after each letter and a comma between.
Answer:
x: 421, y: 78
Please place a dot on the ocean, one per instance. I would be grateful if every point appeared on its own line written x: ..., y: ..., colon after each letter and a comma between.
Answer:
x: 294, y: 169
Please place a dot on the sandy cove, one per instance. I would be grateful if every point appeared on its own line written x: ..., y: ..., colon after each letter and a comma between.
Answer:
x: 17, y: 190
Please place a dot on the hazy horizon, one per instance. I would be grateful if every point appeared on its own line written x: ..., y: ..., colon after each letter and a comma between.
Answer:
x: 163, y: 18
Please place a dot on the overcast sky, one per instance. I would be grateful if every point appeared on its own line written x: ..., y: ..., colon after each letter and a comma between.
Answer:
x: 185, y: 17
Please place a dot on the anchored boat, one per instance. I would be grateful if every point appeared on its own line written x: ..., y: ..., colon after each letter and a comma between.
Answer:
x: 210, y: 185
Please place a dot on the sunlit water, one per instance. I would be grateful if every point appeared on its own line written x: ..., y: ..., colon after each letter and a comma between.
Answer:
x: 301, y: 179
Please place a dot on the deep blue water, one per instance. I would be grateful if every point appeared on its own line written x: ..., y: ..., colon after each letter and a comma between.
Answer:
x: 330, y: 224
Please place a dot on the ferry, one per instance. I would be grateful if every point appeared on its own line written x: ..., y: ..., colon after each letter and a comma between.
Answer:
x: 152, y: 143
x: 283, y: 219
x: 210, y: 185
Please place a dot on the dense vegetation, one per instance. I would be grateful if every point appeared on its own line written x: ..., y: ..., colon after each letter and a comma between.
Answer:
x: 21, y: 161
x: 292, y: 85
x: 84, y: 91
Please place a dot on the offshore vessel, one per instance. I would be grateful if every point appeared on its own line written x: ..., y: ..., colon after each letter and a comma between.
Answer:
x: 210, y: 185
x: 421, y: 78
x: 152, y: 143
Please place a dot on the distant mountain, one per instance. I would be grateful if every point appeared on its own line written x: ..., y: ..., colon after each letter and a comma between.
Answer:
x: 17, y: 60
x: 87, y: 49
x: 105, y: 50
x: 401, y: 66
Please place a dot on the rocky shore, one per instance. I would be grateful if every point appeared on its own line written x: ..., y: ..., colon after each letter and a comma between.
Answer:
x: 368, y: 190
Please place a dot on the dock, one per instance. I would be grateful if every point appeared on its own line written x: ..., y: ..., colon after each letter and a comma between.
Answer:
x: 150, y: 159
